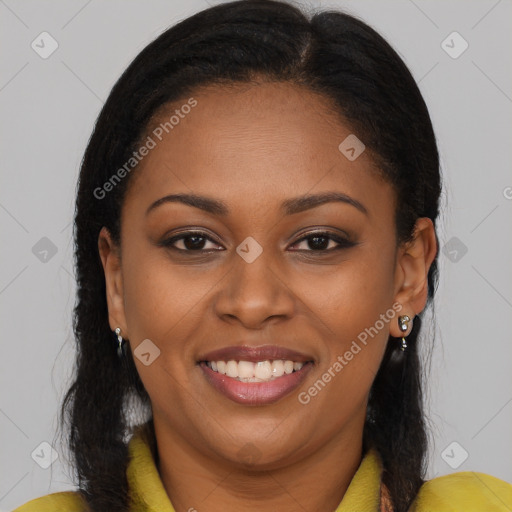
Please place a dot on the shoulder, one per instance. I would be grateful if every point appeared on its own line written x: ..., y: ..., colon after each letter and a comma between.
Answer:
x: 466, y: 491
x: 67, y: 501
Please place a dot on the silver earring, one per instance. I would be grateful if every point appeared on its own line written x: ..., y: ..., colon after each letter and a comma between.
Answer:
x: 403, y: 324
x: 120, y: 343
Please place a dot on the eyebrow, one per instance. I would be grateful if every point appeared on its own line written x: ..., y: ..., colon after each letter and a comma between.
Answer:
x: 290, y: 206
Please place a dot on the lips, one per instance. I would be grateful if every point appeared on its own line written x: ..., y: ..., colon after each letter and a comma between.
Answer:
x: 255, y: 354
x: 255, y: 393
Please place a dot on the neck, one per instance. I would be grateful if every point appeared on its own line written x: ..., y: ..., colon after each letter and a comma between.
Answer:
x: 317, y: 481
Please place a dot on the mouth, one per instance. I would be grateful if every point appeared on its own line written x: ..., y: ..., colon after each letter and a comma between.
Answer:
x: 255, y: 375
x: 261, y: 371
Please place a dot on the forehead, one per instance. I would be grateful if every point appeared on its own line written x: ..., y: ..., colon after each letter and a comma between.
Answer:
x: 251, y: 143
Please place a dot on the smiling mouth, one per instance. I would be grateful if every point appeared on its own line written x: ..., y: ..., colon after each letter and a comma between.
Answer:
x: 260, y: 371
x: 255, y: 376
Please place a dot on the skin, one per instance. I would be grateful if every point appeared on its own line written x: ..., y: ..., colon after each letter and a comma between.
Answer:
x: 254, y: 146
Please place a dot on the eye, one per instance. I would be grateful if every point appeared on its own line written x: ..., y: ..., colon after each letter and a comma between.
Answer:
x: 191, y: 241
x: 320, y: 241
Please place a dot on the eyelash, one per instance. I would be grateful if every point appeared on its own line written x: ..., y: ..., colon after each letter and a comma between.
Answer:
x: 343, y: 243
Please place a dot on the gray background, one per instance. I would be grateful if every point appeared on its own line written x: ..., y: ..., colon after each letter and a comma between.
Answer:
x: 48, y: 107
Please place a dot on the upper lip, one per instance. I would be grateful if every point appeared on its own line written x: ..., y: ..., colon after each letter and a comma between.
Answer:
x: 255, y: 354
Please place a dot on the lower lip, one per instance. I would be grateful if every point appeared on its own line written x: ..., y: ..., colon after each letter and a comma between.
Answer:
x: 255, y: 393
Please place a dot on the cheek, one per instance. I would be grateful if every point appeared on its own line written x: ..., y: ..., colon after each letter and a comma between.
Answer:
x: 354, y: 301
x: 157, y: 300
x: 162, y: 304
x: 351, y: 296
x: 167, y: 303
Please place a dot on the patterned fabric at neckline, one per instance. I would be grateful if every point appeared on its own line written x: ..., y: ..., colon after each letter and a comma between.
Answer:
x: 386, y: 505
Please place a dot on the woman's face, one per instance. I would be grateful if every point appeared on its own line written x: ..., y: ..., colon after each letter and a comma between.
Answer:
x: 250, y: 277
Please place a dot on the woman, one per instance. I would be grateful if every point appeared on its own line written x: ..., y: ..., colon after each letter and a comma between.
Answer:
x: 255, y: 247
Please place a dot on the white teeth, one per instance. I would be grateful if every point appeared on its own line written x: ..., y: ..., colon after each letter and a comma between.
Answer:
x: 221, y: 367
x: 278, y: 368
x: 245, y: 369
x: 262, y: 371
x: 232, y: 369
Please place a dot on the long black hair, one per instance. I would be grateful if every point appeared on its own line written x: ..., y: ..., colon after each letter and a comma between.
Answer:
x: 370, y: 87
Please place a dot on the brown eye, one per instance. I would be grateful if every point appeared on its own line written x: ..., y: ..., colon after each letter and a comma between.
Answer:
x: 322, y: 241
x: 191, y: 241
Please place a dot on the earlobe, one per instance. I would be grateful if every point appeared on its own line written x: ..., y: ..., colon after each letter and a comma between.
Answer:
x: 110, y: 259
x: 413, y: 263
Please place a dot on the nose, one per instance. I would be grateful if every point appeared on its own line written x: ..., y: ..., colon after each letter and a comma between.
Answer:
x: 255, y: 294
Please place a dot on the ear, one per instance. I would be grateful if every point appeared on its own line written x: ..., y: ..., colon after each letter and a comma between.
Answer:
x: 111, y: 260
x: 411, y: 274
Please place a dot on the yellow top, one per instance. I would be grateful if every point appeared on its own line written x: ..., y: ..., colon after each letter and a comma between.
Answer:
x: 459, y: 492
